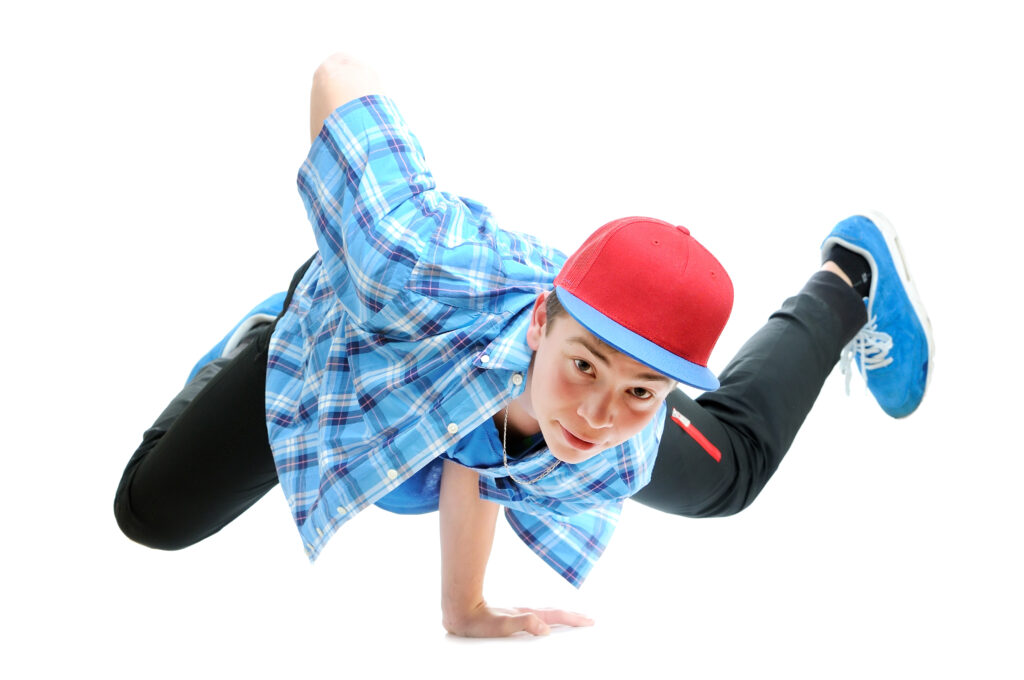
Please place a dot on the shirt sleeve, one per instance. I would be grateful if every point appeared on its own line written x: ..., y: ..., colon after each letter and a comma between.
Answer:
x: 356, y: 183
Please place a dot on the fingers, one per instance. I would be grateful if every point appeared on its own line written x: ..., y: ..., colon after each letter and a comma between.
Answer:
x: 490, y: 622
x: 502, y: 623
x: 531, y: 623
x: 494, y: 624
x: 559, y: 617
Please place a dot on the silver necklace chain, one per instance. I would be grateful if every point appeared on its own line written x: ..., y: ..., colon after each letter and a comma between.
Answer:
x: 504, y: 458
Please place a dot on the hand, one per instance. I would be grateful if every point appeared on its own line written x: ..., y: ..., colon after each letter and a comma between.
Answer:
x: 484, y: 621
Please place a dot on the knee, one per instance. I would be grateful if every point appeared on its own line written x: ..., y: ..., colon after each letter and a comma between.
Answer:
x: 688, y: 482
x: 693, y: 501
x: 146, y: 531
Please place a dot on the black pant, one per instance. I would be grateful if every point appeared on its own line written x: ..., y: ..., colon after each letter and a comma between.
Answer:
x: 766, y: 392
x: 207, y: 458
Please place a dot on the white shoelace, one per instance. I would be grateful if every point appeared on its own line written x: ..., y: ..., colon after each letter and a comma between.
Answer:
x: 873, y: 347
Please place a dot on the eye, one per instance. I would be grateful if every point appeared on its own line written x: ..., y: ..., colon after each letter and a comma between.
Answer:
x: 583, y: 366
x: 641, y: 393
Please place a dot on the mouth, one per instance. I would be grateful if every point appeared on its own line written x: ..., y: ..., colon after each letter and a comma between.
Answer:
x: 576, y: 442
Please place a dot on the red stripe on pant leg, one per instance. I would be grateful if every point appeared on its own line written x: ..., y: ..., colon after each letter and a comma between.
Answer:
x: 684, y: 422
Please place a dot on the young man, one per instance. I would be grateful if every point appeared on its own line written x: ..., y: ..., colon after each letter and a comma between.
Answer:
x: 421, y: 360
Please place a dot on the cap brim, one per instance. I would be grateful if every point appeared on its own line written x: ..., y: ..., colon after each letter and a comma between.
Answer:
x: 636, y: 346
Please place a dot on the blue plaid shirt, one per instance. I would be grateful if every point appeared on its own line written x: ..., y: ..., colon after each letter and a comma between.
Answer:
x: 404, y: 337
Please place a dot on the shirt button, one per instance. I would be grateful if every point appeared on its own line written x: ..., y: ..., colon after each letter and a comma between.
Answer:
x: 319, y: 532
x: 484, y: 358
x: 517, y: 379
x: 453, y: 428
x: 340, y: 510
x: 392, y: 474
x: 309, y: 547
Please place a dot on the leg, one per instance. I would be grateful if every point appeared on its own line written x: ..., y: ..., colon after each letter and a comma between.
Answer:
x: 765, y: 394
x: 205, y: 460
x: 770, y: 386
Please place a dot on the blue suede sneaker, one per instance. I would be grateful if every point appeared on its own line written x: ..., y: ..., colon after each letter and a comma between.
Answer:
x: 894, y: 350
x: 264, y: 312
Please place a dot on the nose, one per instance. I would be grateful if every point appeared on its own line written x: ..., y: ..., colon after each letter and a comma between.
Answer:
x: 597, y: 410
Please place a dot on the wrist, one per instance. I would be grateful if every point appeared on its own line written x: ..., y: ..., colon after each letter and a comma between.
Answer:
x: 456, y: 612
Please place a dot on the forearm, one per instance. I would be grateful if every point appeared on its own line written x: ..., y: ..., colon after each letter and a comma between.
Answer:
x: 467, y: 534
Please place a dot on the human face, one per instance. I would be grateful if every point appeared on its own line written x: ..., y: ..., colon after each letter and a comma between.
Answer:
x: 585, y: 396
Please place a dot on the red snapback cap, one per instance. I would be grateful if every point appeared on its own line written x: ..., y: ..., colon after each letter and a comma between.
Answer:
x: 651, y: 291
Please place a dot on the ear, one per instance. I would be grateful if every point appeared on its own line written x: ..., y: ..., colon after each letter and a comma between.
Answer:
x: 538, y: 318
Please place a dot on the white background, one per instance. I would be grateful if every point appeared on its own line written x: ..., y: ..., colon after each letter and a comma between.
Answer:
x: 149, y: 154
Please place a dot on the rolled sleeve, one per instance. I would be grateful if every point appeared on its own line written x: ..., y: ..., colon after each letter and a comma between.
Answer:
x: 356, y: 183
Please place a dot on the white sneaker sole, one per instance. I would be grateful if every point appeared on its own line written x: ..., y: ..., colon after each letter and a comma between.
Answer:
x: 243, y: 329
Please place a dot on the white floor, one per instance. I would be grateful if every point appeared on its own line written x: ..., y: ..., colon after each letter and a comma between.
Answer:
x: 145, y: 144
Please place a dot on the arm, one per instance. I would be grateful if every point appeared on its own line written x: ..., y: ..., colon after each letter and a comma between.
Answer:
x: 338, y: 80
x: 363, y: 167
x: 467, y: 533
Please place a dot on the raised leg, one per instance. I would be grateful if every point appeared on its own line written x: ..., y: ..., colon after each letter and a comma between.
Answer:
x: 751, y: 420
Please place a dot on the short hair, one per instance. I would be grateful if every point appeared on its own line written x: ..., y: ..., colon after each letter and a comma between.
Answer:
x: 553, y: 307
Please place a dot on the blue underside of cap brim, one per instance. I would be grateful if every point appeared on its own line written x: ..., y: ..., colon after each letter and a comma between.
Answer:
x: 636, y: 346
